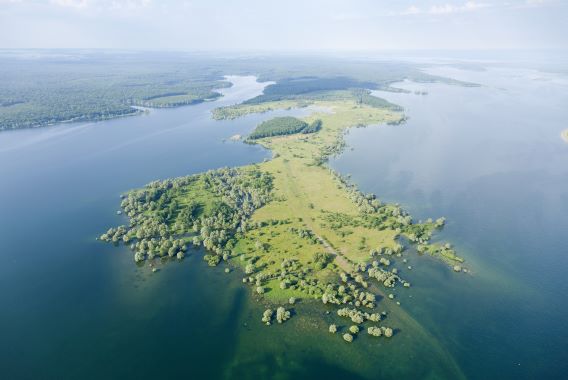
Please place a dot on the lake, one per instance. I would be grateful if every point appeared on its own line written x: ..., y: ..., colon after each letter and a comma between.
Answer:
x: 491, y: 160
x: 488, y: 158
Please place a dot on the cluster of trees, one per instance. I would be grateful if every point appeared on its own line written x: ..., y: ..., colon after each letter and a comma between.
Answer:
x: 286, y: 125
x: 282, y: 315
x: 378, y: 331
x: 375, y: 214
x: 351, y: 291
x: 305, y: 234
x: 444, y: 251
x: 278, y: 126
x: 401, y: 120
x: 388, y: 279
x: 115, y: 235
x: 363, y: 96
x: 321, y: 259
x: 313, y: 127
x: 358, y: 316
x: 374, y: 331
x: 291, y: 275
x: 160, y: 223
x: 331, y: 150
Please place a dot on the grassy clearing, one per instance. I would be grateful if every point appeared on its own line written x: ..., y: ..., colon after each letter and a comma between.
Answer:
x: 305, y: 193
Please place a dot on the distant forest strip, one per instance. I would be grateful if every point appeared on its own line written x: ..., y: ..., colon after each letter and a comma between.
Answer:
x: 36, y: 94
x: 44, y: 87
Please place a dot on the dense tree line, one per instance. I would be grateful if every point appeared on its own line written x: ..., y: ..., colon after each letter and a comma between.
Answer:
x: 288, y: 87
x: 279, y: 126
x: 363, y: 96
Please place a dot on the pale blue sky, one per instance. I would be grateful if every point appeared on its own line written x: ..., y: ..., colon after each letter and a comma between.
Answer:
x: 285, y: 25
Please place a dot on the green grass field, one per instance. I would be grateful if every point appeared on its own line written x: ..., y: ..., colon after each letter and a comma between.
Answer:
x: 306, y: 194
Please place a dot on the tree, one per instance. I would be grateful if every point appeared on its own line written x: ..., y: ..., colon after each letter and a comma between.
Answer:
x: 282, y: 314
x: 374, y: 331
x: 267, y: 316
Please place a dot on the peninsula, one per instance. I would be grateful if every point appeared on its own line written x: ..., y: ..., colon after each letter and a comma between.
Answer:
x: 295, y: 228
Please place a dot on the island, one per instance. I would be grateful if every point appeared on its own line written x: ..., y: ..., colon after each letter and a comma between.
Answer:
x: 564, y: 135
x: 297, y: 230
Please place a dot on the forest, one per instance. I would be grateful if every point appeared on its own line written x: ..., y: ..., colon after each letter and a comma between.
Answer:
x: 39, y: 88
x: 37, y: 93
x: 287, y: 125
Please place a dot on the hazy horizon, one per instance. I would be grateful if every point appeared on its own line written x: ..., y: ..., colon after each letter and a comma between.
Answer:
x: 269, y: 26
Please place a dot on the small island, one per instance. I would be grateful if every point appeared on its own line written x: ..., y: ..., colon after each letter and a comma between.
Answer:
x: 564, y: 135
x: 296, y: 229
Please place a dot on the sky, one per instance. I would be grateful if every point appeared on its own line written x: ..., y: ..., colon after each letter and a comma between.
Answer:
x: 284, y: 25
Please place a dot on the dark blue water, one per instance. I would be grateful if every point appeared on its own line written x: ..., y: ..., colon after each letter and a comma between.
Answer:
x: 491, y: 160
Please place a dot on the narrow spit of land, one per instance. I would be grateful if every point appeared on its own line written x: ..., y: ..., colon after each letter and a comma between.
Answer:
x: 297, y: 229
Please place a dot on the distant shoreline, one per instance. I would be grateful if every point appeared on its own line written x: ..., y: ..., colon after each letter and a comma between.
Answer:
x: 564, y: 135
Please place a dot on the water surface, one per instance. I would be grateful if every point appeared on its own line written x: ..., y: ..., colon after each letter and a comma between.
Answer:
x: 491, y: 160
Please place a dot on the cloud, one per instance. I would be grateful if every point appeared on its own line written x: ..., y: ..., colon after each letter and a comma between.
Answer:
x: 446, y: 9
x: 412, y: 10
x: 470, y: 6
x: 535, y: 3
x: 102, y: 4
x: 70, y: 3
x: 130, y: 4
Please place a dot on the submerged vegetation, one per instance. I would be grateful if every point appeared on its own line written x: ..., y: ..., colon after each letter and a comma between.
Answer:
x: 298, y: 230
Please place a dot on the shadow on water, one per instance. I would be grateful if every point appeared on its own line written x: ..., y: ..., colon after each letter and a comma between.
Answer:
x: 282, y: 367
